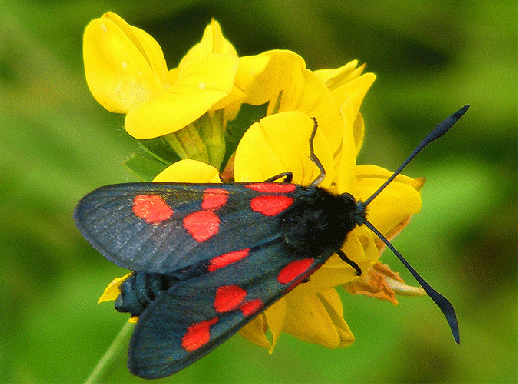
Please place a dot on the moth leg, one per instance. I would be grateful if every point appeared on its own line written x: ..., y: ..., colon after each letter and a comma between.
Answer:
x: 314, y: 157
x: 288, y: 177
x: 344, y: 257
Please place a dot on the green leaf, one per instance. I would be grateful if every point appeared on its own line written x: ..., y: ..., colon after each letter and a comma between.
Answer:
x: 144, y: 166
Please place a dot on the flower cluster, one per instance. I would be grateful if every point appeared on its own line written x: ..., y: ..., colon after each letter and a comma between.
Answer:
x: 182, y: 114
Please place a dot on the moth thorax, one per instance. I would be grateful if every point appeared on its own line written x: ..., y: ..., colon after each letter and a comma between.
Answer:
x: 318, y: 223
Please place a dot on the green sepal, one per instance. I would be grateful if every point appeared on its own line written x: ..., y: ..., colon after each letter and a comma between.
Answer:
x: 161, y: 149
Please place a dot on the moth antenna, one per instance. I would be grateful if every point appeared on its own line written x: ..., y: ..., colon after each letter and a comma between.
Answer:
x: 439, y: 130
x: 443, y: 303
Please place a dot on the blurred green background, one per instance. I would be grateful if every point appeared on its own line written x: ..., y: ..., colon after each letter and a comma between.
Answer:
x: 431, y: 58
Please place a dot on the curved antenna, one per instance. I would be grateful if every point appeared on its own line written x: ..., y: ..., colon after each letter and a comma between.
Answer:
x: 443, y: 303
x: 439, y: 130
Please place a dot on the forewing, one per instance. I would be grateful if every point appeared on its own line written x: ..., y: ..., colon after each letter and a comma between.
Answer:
x: 196, y: 315
x: 157, y: 227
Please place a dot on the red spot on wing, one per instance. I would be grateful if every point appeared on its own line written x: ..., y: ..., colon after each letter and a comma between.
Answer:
x: 228, y: 298
x: 293, y: 270
x: 251, y: 307
x: 201, y: 225
x: 272, y: 187
x: 226, y: 259
x: 214, y: 198
x: 197, y: 335
x: 270, y: 205
x: 152, y: 208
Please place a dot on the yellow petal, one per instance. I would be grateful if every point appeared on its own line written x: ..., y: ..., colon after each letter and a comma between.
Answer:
x: 148, y: 46
x: 280, y: 143
x: 231, y: 103
x: 332, y: 302
x: 275, y: 318
x: 377, y: 172
x: 358, y: 132
x: 255, y: 331
x: 335, y: 272
x: 346, y: 162
x: 249, y: 68
x: 112, y: 291
x: 120, y: 72
x: 317, y: 319
x: 283, y: 72
x: 153, y: 53
x: 351, y: 94
x: 316, y: 101
x: 212, y: 42
x: 361, y: 247
x: 215, y: 72
x: 170, y: 111
x: 188, y: 171
x: 398, y: 201
x: 272, y: 319
x: 197, y: 89
x: 172, y: 76
x: 334, y: 78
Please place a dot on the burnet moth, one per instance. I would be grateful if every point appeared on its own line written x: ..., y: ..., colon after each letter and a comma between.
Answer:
x: 208, y: 258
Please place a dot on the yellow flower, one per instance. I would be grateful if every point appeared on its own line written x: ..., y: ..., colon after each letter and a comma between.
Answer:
x: 313, y: 311
x: 328, y: 95
x: 126, y: 72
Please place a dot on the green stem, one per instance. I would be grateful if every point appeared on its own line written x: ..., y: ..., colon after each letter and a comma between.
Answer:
x: 188, y: 143
x: 212, y: 128
x: 111, y: 354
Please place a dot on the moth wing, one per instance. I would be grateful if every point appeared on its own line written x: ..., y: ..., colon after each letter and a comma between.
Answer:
x: 196, y: 315
x: 163, y: 241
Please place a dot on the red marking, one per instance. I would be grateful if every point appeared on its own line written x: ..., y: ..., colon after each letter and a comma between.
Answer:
x: 227, y: 258
x: 214, y: 198
x: 272, y: 187
x: 251, y: 307
x: 228, y: 298
x: 270, y: 205
x: 197, y: 335
x: 293, y: 270
x: 151, y: 208
x: 202, y: 225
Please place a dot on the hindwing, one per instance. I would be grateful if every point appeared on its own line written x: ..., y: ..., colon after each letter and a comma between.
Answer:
x: 196, y: 315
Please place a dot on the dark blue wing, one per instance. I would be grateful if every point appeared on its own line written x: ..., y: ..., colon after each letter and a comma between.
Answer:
x: 158, y: 243
x: 195, y: 316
